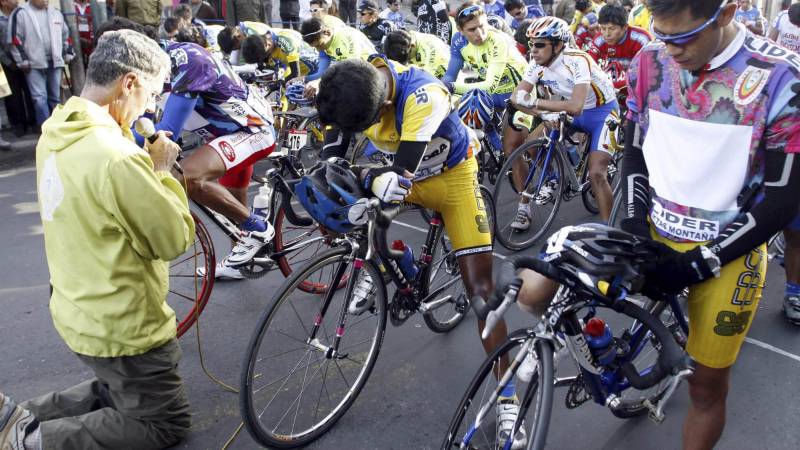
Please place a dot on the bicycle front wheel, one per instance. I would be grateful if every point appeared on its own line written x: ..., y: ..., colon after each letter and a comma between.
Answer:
x: 474, y: 424
x: 525, y: 179
x: 294, y: 387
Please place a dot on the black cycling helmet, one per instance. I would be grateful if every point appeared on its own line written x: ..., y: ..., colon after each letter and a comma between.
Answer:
x: 331, y: 194
x: 596, y: 253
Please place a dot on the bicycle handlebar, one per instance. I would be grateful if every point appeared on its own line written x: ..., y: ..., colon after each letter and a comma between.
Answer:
x: 382, y: 218
x: 671, y: 359
x: 284, y: 188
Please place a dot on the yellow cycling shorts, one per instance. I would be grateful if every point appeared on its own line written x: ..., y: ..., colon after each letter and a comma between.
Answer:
x: 722, y: 309
x: 455, y: 193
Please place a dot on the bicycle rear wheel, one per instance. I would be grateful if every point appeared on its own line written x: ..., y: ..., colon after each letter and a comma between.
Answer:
x: 474, y: 423
x: 188, y: 291
x: 293, y: 388
x: 527, y: 163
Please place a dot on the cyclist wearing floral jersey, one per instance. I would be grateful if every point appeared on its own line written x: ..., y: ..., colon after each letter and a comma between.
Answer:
x: 618, y: 41
x: 281, y: 48
x: 588, y: 96
x: 406, y: 113
x: 416, y: 49
x: 236, y: 124
x: 710, y: 171
x: 334, y: 44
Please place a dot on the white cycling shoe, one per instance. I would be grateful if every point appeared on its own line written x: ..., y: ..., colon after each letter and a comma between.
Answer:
x: 249, y: 245
x: 222, y: 272
x: 507, y: 412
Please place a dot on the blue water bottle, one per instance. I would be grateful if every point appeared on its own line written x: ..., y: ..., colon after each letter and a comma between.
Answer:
x: 407, y: 264
x: 599, y: 338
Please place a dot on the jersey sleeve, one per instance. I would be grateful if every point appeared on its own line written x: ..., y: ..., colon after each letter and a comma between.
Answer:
x: 634, y: 101
x: 288, y: 48
x: 498, y: 56
x: 192, y: 72
x: 424, y: 111
x: 532, y: 73
x: 782, y: 132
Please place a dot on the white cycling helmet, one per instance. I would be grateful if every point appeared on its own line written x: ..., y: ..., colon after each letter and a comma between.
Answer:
x: 551, y: 28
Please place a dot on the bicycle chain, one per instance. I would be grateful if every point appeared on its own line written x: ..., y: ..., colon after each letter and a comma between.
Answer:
x: 577, y: 394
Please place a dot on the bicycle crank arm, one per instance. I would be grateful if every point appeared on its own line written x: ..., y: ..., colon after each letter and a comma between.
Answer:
x: 434, y: 305
x: 657, y: 410
x: 565, y: 381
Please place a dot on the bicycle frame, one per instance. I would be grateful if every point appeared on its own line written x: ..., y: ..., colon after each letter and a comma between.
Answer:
x: 555, y: 149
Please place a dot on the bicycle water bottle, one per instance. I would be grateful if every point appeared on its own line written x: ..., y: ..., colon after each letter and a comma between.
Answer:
x: 600, y: 340
x: 407, y: 264
x: 574, y: 157
x: 261, y: 202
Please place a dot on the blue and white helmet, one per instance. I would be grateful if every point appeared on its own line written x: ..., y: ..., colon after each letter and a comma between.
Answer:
x: 295, y: 95
x: 476, y: 109
x: 551, y: 28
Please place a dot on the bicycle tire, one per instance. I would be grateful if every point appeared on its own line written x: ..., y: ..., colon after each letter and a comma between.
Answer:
x: 540, y: 386
x: 587, y: 196
x: 506, y: 198
x: 251, y: 375
x: 200, y: 254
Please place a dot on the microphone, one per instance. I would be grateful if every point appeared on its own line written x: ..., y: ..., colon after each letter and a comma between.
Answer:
x: 146, y: 129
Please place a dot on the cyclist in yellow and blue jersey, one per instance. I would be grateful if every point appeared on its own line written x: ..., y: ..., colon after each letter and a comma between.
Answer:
x: 229, y: 39
x: 281, y: 48
x: 405, y: 113
x: 334, y: 44
x: 499, y: 64
x: 416, y: 49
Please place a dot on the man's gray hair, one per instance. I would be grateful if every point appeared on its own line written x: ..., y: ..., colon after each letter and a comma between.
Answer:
x: 125, y: 51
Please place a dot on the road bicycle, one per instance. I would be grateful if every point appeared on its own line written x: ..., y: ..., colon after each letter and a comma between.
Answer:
x: 309, y: 358
x: 296, y: 238
x: 635, y: 373
x: 543, y: 174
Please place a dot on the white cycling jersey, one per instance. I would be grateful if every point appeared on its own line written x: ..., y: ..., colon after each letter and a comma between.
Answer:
x: 572, y: 67
x: 788, y: 33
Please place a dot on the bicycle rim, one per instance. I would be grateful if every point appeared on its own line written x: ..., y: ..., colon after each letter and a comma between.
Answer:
x: 587, y: 196
x: 528, y: 160
x: 291, y: 391
x: 475, y: 431
x: 189, y: 291
x: 445, y: 270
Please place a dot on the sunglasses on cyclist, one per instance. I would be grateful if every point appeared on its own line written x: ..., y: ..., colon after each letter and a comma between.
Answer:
x: 539, y: 45
x: 469, y: 10
x: 688, y: 36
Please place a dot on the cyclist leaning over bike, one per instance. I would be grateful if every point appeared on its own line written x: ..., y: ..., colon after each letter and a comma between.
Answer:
x: 416, y: 49
x: 499, y: 65
x: 710, y: 173
x: 281, y: 48
x: 230, y: 38
x: 405, y: 113
x: 588, y: 97
x: 208, y: 99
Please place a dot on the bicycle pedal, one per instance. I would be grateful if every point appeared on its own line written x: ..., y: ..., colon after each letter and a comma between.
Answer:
x: 577, y: 394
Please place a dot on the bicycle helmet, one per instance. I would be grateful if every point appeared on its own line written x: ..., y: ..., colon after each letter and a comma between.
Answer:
x: 476, y: 109
x: 596, y: 253
x: 295, y: 95
x: 499, y: 23
x: 332, y: 195
x: 551, y: 28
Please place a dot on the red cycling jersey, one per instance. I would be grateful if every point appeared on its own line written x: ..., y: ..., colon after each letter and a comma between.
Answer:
x: 623, y: 52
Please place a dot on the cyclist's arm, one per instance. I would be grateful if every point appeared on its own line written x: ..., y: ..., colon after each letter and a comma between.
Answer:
x: 453, y: 67
x: 594, y: 51
x: 335, y: 143
x: 322, y: 66
x: 773, y: 34
x: 769, y: 215
x: 573, y: 106
x: 635, y: 183
x: 494, y: 73
x: 423, y: 113
x: 176, y: 112
x: 294, y: 70
x: 523, y: 96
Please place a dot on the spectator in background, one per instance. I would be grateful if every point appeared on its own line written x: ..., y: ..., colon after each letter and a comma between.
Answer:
x: 494, y: 8
x: 319, y: 9
x: 40, y: 48
x: 266, y: 6
x: 432, y: 18
x: 372, y: 25
x: 347, y: 11
x: 290, y: 13
x: 547, y: 6
x: 202, y: 11
x: 184, y: 13
x: 169, y: 29
x: 245, y: 10
x: 565, y: 10
x: 521, y: 37
x: 18, y: 105
x: 786, y: 31
x: 83, y: 13
x: 640, y: 16
x: 750, y: 16
x: 394, y: 15
x: 519, y: 11
x: 143, y: 12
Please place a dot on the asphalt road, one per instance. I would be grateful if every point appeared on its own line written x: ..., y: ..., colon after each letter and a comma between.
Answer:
x: 419, y: 377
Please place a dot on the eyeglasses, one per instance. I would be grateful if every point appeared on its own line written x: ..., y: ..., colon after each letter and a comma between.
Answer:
x: 469, y: 10
x: 689, y: 36
x: 316, y: 10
